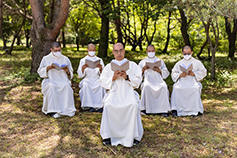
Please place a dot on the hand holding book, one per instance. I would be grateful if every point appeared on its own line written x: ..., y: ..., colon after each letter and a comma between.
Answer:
x: 57, y: 66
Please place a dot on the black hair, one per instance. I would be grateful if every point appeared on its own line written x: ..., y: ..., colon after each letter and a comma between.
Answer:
x: 55, y: 45
x: 188, y: 47
x: 150, y: 46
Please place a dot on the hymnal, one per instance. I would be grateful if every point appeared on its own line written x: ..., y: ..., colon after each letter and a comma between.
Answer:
x: 124, y: 66
x: 92, y: 64
x: 58, y: 66
x: 186, y: 69
x: 154, y: 64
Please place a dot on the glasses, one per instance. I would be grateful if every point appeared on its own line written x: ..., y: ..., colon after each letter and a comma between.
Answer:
x: 118, y: 51
x: 186, y: 53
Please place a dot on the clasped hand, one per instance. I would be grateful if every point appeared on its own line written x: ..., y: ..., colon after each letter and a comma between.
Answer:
x: 119, y: 73
x: 157, y: 69
x: 190, y: 73
x: 50, y: 67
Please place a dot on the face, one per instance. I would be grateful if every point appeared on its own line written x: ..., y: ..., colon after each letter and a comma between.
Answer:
x: 91, y: 48
x: 118, y: 51
x: 187, y: 51
x: 150, y: 49
x: 54, y: 49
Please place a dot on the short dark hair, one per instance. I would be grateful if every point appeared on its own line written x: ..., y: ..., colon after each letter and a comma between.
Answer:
x: 184, y: 47
x: 55, y: 45
x: 150, y: 46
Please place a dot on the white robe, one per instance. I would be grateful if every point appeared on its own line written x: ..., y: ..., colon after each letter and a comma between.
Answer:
x: 186, y: 95
x: 91, y: 92
x: 56, y: 87
x: 155, y: 94
x: 121, y: 120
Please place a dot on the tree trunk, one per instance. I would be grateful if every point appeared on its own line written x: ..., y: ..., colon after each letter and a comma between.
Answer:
x: 118, y: 24
x: 1, y: 25
x: 77, y: 41
x: 231, y: 36
x: 27, y: 35
x: 63, y: 38
x: 104, y: 32
x: 41, y: 36
x: 18, y: 42
x: 134, y: 47
x: 168, y: 34
x: 18, y: 32
x: 184, y: 27
x: 213, y: 68
x: 200, y: 52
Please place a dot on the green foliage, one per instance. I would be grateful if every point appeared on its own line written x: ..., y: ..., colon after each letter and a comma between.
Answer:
x: 84, y: 23
x: 22, y: 76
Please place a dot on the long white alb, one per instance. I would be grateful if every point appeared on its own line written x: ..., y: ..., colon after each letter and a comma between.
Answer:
x: 91, y: 92
x: 155, y: 94
x: 121, y: 120
x: 56, y: 87
x: 186, y: 94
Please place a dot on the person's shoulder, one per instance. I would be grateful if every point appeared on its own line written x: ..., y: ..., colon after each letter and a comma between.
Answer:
x: 98, y: 58
x: 196, y: 60
x: 132, y: 62
x: 180, y: 61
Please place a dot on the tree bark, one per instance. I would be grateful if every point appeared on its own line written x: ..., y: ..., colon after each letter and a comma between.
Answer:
x: 104, y: 32
x: 1, y: 25
x: 118, y: 22
x: 18, y: 32
x: 27, y: 35
x: 168, y: 34
x: 63, y: 38
x: 200, y: 52
x: 42, y: 36
x: 231, y: 36
x: 184, y: 27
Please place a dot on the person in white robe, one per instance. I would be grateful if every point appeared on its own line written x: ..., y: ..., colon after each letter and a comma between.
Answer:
x: 154, y: 91
x: 121, y: 120
x: 91, y: 92
x: 186, y: 94
x: 56, y: 86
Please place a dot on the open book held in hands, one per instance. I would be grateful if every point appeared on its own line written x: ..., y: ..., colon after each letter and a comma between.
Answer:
x: 92, y: 64
x: 186, y: 69
x: 123, y: 66
x: 154, y: 64
x: 58, y: 66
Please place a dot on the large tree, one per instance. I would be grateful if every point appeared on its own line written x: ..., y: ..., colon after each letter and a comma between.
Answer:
x: 103, y: 9
x: 43, y: 34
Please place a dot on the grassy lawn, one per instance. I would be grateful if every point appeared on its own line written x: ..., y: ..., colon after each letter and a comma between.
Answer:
x: 26, y: 132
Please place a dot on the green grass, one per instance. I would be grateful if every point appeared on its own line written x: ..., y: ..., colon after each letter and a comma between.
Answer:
x: 26, y: 132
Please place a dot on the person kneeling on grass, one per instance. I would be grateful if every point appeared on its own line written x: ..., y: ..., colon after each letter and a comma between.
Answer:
x: 57, y: 71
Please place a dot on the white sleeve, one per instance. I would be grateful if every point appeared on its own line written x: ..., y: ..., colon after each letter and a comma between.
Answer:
x: 42, y: 70
x: 106, y: 77
x: 164, y: 71
x: 175, y: 73
x: 70, y: 68
x: 79, y: 70
x: 136, y: 76
x: 201, y: 72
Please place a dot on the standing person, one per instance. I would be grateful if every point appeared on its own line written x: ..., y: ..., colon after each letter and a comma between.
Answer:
x: 91, y: 92
x: 186, y: 95
x: 155, y: 94
x: 121, y: 120
x: 56, y: 86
